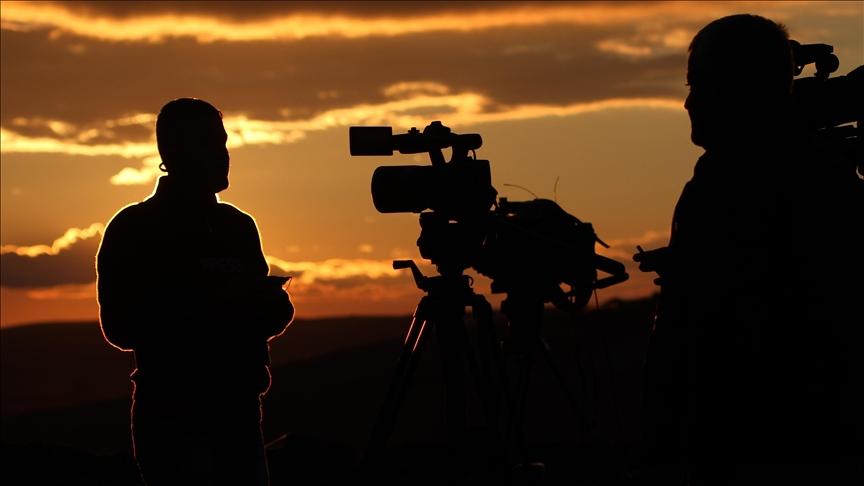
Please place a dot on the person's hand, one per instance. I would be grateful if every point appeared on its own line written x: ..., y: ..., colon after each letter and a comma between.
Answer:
x: 657, y: 260
x: 258, y: 299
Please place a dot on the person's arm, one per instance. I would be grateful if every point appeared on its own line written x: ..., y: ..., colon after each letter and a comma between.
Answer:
x: 270, y: 305
x: 120, y: 315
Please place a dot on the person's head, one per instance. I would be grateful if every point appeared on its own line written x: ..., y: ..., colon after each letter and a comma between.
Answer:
x: 191, y: 142
x: 740, y: 77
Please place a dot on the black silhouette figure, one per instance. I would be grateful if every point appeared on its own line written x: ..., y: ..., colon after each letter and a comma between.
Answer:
x: 183, y: 283
x: 750, y: 377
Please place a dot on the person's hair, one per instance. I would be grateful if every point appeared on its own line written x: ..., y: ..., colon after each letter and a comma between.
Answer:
x: 749, y: 50
x: 174, y: 122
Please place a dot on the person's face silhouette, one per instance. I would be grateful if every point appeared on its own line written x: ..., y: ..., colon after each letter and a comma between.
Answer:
x: 205, y: 161
x: 712, y: 106
x: 728, y: 104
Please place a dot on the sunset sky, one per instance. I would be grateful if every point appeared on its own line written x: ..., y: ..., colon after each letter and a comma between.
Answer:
x: 587, y: 93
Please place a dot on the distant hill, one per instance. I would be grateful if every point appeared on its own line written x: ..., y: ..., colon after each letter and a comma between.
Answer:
x: 64, y: 389
x: 57, y: 365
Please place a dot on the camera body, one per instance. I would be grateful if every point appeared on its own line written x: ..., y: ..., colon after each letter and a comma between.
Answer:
x: 461, y: 186
x: 833, y: 107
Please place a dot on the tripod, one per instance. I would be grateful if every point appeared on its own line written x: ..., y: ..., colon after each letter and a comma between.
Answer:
x: 524, y: 311
x: 443, y: 308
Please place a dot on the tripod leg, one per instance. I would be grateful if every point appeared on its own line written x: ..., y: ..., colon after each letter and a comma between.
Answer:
x: 562, y: 382
x: 405, y: 367
x: 453, y: 367
x: 489, y: 345
x: 522, y: 383
x: 482, y: 377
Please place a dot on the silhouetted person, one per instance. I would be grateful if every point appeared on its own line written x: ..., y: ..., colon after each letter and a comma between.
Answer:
x: 751, y: 370
x: 183, y: 283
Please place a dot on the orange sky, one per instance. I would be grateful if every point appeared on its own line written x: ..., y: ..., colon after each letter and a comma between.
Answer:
x: 589, y: 94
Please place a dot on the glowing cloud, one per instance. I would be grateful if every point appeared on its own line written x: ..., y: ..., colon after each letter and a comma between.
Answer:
x: 72, y: 236
x: 648, y: 43
x: 293, y: 26
x: 12, y: 142
x: 69, y: 260
x: 458, y: 109
x: 64, y: 292
x: 623, y: 248
x: 131, y: 176
x: 335, y: 269
x: 297, y: 25
x: 399, y: 90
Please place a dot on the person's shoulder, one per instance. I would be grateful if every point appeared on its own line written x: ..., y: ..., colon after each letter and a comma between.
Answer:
x: 127, y: 224
x: 128, y: 215
x: 233, y: 213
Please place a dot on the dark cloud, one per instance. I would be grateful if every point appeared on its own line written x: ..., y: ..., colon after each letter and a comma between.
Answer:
x: 249, y: 10
x: 42, y: 77
x: 74, y: 265
x: 93, y: 132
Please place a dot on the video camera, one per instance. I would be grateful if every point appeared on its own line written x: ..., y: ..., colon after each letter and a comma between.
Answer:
x: 523, y: 246
x: 462, y: 186
x: 830, y: 106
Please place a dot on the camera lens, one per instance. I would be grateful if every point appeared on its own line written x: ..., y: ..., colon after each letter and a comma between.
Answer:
x: 403, y: 189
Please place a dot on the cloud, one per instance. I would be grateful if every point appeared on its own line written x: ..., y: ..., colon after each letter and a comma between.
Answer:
x: 64, y: 271
x: 299, y: 81
x: 649, y: 42
x: 88, y: 80
x: 69, y: 238
x: 13, y: 142
x: 306, y: 272
x: 458, y: 109
x: 70, y: 259
x: 399, y: 90
x: 64, y: 292
x: 623, y: 248
x: 298, y: 24
x: 350, y: 286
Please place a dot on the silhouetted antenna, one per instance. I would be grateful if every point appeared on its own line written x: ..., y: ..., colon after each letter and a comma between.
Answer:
x: 523, y: 188
x: 555, y: 189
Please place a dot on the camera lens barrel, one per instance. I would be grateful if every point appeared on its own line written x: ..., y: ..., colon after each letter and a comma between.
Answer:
x: 403, y: 188
x: 465, y: 187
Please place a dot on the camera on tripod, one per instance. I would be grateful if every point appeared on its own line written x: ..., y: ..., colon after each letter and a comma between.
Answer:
x: 523, y: 246
x: 830, y: 106
x: 528, y: 248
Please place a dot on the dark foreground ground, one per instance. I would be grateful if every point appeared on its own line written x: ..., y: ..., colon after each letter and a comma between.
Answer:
x: 65, y: 402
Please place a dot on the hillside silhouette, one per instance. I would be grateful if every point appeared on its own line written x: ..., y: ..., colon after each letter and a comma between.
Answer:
x: 65, y: 402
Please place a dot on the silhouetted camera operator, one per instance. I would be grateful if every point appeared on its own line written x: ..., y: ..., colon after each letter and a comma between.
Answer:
x: 752, y: 357
x: 183, y: 283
